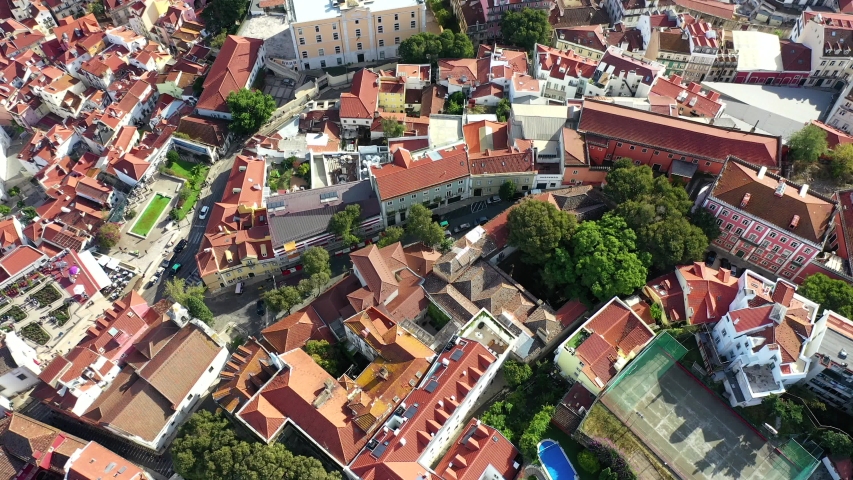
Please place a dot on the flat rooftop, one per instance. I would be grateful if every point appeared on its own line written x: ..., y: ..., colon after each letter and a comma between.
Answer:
x: 760, y: 378
x: 313, y: 10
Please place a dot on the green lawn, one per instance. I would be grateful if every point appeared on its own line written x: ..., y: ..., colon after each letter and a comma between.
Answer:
x: 151, y: 214
x: 571, y: 447
x: 195, y: 174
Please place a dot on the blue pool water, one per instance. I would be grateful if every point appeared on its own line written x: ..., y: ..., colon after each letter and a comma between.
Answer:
x: 556, y: 461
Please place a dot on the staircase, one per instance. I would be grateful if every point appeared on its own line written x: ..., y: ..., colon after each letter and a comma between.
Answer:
x: 274, y: 65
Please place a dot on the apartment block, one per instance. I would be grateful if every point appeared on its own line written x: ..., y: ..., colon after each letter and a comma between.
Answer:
x: 829, y: 36
x: 777, y: 226
x: 340, y: 32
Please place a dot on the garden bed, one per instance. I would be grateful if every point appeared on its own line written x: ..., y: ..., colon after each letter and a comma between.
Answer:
x: 47, y: 295
x: 194, y: 174
x: 15, y: 312
x: 35, y: 333
x: 151, y: 215
x: 61, y: 315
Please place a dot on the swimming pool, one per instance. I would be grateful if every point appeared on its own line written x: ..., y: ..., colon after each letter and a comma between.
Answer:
x: 556, y: 462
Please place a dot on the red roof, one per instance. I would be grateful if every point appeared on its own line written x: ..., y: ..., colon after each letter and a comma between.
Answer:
x: 479, y: 447
x: 434, y: 168
x: 398, y: 460
x: 230, y: 72
x: 689, y: 97
x: 306, y: 395
x: 677, y: 135
x: 560, y: 64
x: 20, y: 258
x: 668, y: 290
x: 620, y: 327
x: 294, y: 330
x: 363, y: 97
x: 711, y: 291
x: 796, y: 57
x: 710, y: 7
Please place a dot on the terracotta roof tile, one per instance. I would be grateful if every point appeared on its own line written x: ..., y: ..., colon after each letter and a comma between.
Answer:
x: 442, y: 166
x: 230, y: 71
x: 363, y: 97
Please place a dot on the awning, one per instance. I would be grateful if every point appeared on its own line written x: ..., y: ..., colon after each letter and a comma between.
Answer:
x: 289, y: 246
x: 683, y: 169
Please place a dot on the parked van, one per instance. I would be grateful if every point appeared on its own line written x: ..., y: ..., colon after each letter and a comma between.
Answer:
x: 239, y: 290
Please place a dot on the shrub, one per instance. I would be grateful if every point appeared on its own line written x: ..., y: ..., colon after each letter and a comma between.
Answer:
x: 129, y: 214
x: 588, y: 462
x: 34, y: 332
x: 61, y: 315
x: 15, y: 312
x: 109, y: 235
x: 47, y: 295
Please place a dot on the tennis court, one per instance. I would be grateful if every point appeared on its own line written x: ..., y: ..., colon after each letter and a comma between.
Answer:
x: 690, y: 428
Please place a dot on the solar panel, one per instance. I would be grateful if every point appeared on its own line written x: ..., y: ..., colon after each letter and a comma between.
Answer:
x: 456, y: 355
x: 411, y: 411
x: 431, y: 386
x: 380, y: 449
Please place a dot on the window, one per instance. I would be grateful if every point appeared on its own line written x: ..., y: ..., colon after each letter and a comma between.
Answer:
x: 402, y: 200
x: 316, y: 29
x: 783, y: 240
x: 712, y: 207
x: 772, y: 235
x: 381, y: 43
x: 618, y: 144
x: 304, y: 54
x: 753, y: 237
x: 414, y: 196
x: 396, y: 40
x: 807, y: 251
x: 356, y: 22
x: 459, y: 190
x: 380, y: 29
x: 396, y: 27
x: 657, y: 152
x: 389, y: 203
x: 800, y: 259
x: 396, y: 16
x: 322, y: 52
x: 728, y: 227
x: 745, y: 221
x: 759, y: 228
x: 725, y: 213
x: 334, y: 26
x: 378, y: 19
x: 631, y: 147
x: 776, y: 248
x: 670, y: 155
x: 735, y: 217
x: 299, y: 31
x: 645, y: 150
x: 795, y: 244
x: 719, y: 221
x: 461, y: 182
x: 739, y: 231
x: 301, y: 41
x: 339, y: 59
x: 357, y: 33
x: 335, y: 36
x: 413, y: 14
x: 338, y: 49
x: 358, y: 46
x: 792, y: 267
x: 413, y: 24
x: 22, y: 376
x: 319, y: 39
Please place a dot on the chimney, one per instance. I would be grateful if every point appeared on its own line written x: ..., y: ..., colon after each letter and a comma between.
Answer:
x: 745, y: 201
x: 804, y: 190
x: 761, y: 173
x: 724, y: 275
x: 780, y: 189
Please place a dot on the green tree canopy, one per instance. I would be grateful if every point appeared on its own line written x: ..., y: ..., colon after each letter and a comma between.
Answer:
x: 208, y: 449
x: 601, y: 262
x: 178, y: 290
x: 428, y: 47
x: 318, y: 281
x: 249, y: 108
x: 392, y: 235
x: 224, y: 14
x: 507, y: 190
x: 392, y: 128
x: 707, y: 222
x: 516, y: 373
x: 625, y: 181
x: 455, y: 103
x: 218, y: 40
x: 841, y: 165
x: 496, y: 417
x: 5, y: 210
x: 529, y: 441
x: 282, y: 299
x: 346, y: 223
x: 537, y: 228
x: 325, y: 355
x: 503, y: 109
x: 526, y: 27
x: 831, y: 294
x: 791, y: 413
x: 807, y: 145
x: 108, y: 235
x: 673, y: 241
x: 588, y: 461
x: 608, y: 474
x: 199, y: 310
x: 316, y: 260
x: 420, y: 225
x: 839, y: 444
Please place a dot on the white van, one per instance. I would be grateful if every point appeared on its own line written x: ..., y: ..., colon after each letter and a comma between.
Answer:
x: 239, y: 290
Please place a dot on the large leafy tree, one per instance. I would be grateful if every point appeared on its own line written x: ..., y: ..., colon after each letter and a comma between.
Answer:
x: 283, y: 299
x: 324, y: 355
x: 316, y: 260
x: 108, y: 235
x: 224, y: 14
x: 601, y: 262
x: 345, y: 223
x: 807, y: 145
x: 839, y: 444
x: 420, y: 225
x: 392, y: 128
x: 249, y: 109
x: 516, y: 373
x: 831, y: 294
x: 625, y: 181
x: 455, y: 103
x: 531, y: 437
x: 507, y: 190
x: 392, y: 235
x: 208, y: 449
x: 526, y: 27
x: 673, y: 241
x: 503, y: 109
x: 428, y: 47
x: 537, y: 228
x: 197, y: 309
x: 841, y: 166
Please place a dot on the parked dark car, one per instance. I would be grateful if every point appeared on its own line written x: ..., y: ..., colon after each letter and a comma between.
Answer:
x: 482, y: 220
x: 725, y: 263
x: 710, y: 257
x: 181, y: 246
x: 260, y: 308
x: 736, y: 271
x: 462, y: 228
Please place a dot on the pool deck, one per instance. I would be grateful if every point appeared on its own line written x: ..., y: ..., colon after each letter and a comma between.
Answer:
x: 554, y: 444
